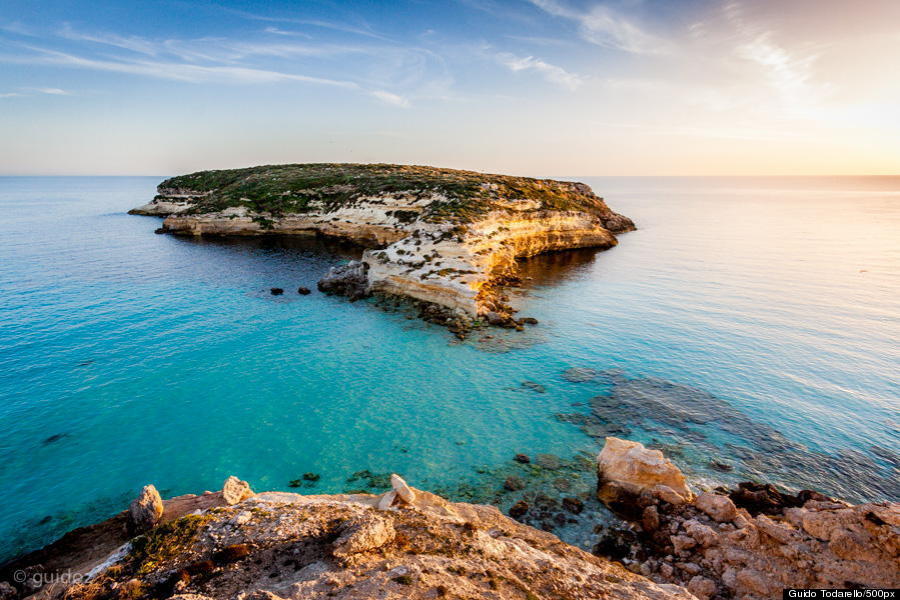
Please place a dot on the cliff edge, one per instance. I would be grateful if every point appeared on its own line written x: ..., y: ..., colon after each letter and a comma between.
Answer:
x: 406, y: 543
x: 442, y: 236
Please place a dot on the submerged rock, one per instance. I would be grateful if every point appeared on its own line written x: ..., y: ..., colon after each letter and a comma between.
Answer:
x: 276, y: 291
x: 303, y: 291
x: 580, y: 374
x: 688, y: 417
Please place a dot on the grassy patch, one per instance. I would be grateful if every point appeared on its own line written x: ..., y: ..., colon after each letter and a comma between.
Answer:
x: 285, y: 189
x: 160, y: 546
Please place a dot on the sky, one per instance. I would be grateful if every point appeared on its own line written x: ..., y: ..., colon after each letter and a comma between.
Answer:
x: 528, y: 87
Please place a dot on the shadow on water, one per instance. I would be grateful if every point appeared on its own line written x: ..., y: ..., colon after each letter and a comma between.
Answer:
x: 312, y: 245
x: 554, y: 268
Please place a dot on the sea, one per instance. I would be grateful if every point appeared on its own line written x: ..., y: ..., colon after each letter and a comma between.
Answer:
x: 749, y: 328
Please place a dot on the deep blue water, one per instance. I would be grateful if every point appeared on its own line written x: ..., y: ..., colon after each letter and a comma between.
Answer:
x: 128, y: 357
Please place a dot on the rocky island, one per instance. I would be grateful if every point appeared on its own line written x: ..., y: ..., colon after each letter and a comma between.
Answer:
x: 445, y: 237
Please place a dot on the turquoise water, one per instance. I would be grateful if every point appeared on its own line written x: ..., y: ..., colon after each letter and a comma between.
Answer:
x: 128, y: 357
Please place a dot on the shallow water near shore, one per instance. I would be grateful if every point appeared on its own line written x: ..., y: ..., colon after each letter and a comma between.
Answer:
x: 749, y: 327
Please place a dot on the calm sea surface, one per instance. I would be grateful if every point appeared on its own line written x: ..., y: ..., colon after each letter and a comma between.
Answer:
x: 750, y: 327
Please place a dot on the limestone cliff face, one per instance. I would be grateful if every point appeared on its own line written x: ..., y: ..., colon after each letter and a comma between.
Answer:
x: 452, y: 266
x: 446, y: 242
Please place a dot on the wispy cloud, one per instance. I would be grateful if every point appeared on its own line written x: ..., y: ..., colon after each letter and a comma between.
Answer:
x: 552, y: 73
x: 602, y: 26
x: 50, y: 91
x: 10, y: 95
x: 279, y: 31
x: 210, y: 60
x: 174, y: 71
x: 788, y: 72
x: 389, y: 98
x: 362, y: 30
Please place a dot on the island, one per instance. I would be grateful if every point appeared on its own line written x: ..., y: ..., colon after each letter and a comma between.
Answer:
x: 445, y: 237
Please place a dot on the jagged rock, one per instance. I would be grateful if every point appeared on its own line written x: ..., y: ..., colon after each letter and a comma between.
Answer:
x: 770, y: 541
x: 235, y: 490
x: 519, y: 509
x: 340, y: 547
x: 630, y: 467
x: 387, y: 500
x: 404, y: 492
x: 573, y: 505
x: 719, y: 508
x: 702, y: 587
x: 146, y: 510
x: 650, y: 519
x: 8, y: 592
x: 363, y: 534
x: 349, y: 280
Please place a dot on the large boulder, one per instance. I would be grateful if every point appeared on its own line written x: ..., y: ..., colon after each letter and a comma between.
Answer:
x: 146, y: 510
x: 351, y: 280
x: 719, y: 508
x: 627, y: 468
x: 235, y: 490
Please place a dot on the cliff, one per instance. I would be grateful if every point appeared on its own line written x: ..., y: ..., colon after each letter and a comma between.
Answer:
x: 406, y: 543
x: 442, y: 236
x: 749, y: 543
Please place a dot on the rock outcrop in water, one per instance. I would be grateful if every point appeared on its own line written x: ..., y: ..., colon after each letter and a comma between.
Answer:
x: 753, y: 541
x: 406, y: 543
x: 441, y: 236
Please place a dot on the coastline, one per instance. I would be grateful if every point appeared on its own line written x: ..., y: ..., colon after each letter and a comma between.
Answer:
x: 544, y: 377
x: 748, y: 542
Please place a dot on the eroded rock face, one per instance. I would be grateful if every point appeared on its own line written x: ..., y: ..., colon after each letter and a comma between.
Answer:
x: 235, y: 490
x: 626, y: 469
x: 756, y: 540
x: 287, y: 546
x: 146, y: 510
x: 349, y: 280
x: 440, y: 236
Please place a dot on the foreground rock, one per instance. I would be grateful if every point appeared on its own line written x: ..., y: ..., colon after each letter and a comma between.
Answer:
x: 146, y: 510
x: 441, y: 236
x: 754, y: 541
x: 235, y: 490
x: 406, y: 543
x: 627, y: 469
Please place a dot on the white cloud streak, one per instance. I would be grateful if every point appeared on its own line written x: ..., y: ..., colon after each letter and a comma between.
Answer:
x: 552, y: 73
x: 602, y: 26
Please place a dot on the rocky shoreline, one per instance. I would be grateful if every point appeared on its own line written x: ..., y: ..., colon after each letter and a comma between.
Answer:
x: 747, y: 542
x: 448, y: 239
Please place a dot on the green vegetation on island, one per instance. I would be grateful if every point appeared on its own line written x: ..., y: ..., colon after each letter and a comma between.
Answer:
x: 299, y: 188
